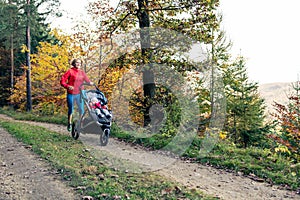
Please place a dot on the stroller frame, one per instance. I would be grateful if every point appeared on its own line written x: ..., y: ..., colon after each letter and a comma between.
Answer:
x: 89, y: 118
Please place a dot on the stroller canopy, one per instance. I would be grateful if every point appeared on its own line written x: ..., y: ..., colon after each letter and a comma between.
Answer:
x: 88, y: 95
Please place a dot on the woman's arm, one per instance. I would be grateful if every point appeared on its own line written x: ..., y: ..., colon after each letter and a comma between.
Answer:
x: 64, y: 79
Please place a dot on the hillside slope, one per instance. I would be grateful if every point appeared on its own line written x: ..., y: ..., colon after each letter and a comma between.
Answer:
x: 275, y: 92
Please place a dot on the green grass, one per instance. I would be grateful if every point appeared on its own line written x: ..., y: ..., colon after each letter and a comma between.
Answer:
x: 80, y: 169
x: 263, y: 163
x: 34, y: 116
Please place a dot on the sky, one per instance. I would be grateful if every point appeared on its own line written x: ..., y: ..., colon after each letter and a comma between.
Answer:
x: 265, y: 32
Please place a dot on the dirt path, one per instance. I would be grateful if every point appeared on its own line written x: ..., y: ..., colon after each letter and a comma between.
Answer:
x: 122, y: 156
x: 23, y: 176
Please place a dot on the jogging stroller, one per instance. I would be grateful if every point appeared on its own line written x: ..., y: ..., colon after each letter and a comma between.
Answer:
x: 90, y: 122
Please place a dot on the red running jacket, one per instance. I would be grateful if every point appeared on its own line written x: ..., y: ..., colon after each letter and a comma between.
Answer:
x: 74, y: 77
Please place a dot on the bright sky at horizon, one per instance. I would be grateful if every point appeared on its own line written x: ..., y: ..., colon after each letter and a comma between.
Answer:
x: 265, y: 32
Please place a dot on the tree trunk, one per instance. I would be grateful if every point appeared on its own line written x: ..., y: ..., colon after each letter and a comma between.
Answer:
x: 148, y: 75
x: 28, y: 71
x: 12, y: 67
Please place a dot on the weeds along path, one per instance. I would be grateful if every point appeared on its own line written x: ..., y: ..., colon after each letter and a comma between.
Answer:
x: 228, y: 186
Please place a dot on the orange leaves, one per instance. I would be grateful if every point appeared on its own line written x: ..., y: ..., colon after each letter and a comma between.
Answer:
x: 288, y: 119
x: 110, y: 78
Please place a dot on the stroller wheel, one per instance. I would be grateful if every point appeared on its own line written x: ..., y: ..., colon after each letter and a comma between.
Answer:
x: 104, y: 136
x: 74, y: 132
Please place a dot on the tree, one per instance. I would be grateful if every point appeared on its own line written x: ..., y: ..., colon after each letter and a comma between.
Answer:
x: 28, y: 66
x: 48, y: 65
x: 14, y: 20
x: 245, y: 108
x: 212, y: 100
x: 199, y: 18
x: 148, y: 75
x: 9, y: 21
x: 287, y: 119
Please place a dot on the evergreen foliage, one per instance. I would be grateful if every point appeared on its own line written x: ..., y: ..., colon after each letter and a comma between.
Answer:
x: 13, y: 22
x: 245, y: 108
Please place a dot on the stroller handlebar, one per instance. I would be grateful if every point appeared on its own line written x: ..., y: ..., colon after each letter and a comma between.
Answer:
x: 88, y: 84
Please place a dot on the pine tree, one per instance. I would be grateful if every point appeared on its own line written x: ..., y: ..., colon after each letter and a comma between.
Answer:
x: 245, y: 108
x: 10, y: 40
x: 13, y: 22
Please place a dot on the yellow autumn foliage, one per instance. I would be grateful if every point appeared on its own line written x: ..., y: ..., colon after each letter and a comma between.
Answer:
x: 47, y: 67
x: 49, y: 64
